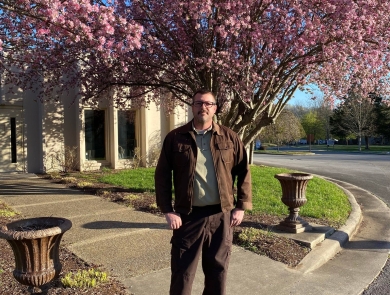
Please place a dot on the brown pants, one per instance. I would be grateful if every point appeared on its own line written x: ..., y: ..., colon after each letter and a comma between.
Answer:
x: 205, y: 230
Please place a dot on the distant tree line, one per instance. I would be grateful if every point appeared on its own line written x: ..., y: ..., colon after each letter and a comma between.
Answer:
x: 355, y: 120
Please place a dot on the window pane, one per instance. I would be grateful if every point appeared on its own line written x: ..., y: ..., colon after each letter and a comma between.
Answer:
x: 126, y: 134
x: 95, y: 148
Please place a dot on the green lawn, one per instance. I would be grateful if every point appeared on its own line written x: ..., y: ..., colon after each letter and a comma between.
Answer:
x: 139, y: 180
x: 339, y: 148
x: 325, y: 200
x: 355, y: 148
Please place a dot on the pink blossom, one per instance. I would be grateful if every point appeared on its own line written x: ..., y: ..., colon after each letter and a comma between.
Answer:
x: 252, y: 52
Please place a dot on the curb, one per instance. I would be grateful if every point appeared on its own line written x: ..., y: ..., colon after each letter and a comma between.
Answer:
x: 333, y: 245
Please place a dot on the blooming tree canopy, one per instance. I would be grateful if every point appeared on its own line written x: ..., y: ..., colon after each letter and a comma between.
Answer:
x: 253, y: 54
x: 45, y: 39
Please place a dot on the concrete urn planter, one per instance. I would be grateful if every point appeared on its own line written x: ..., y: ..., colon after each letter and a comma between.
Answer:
x: 294, y: 196
x: 35, y: 243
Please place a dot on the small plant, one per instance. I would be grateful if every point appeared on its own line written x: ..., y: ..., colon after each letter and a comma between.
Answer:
x: 82, y: 184
x: 55, y: 175
x: 136, y: 161
x: 84, y: 279
x: 153, y: 156
x: 6, y: 211
x: 104, y: 193
x: 69, y: 179
x: 153, y: 206
x: 64, y: 159
x: 132, y: 197
x: 248, y: 236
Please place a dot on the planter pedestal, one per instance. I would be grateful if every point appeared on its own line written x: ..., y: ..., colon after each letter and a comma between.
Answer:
x: 35, y: 243
x: 294, y: 196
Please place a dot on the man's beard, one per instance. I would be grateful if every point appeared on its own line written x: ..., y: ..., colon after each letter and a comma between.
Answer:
x: 202, y: 119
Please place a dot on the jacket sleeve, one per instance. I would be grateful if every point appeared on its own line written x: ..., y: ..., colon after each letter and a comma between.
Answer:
x: 163, y: 178
x: 242, y: 172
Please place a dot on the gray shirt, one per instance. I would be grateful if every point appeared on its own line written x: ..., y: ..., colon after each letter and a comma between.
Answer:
x: 205, y: 184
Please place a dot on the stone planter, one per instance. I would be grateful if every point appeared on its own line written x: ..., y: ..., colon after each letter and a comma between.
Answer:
x: 294, y: 196
x: 35, y: 243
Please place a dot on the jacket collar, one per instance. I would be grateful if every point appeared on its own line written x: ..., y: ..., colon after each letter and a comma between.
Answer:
x: 188, y: 127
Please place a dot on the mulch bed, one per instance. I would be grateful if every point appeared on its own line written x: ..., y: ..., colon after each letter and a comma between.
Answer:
x: 70, y: 263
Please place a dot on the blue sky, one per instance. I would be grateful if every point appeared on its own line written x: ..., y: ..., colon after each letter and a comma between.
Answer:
x: 300, y: 98
x: 303, y: 98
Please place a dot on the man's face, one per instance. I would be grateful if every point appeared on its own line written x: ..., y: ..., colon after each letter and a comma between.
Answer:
x: 203, y: 114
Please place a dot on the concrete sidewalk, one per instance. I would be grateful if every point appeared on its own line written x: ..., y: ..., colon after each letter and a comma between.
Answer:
x: 134, y: 246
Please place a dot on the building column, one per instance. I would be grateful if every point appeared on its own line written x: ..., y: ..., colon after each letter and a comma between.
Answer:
x: 33, y: 119
x: 113, y: 137
x: 143, y: 131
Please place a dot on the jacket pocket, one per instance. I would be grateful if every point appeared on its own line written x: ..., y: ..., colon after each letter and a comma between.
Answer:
x: 181, y: 154
x: 226, y: 150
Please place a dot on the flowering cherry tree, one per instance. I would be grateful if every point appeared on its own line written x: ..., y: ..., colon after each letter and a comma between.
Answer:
x: 253, y: 54
x: 45, y: 39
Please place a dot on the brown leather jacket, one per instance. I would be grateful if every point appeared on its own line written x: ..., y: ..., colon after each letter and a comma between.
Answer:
x: 179, y: 154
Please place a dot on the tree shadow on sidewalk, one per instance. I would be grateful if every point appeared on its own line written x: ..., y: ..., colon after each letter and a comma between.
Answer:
x: 112, y: 224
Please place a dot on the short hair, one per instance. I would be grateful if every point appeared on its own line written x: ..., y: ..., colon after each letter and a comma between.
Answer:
x: 204, y: 91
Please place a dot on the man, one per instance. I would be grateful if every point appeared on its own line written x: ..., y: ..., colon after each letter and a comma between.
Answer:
x: 206, y: 159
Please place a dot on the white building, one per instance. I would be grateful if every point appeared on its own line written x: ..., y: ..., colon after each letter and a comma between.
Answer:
x: 39, y: 137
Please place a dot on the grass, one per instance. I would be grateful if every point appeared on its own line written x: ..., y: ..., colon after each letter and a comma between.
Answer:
x: 138, y: 180
x: 325, y: 200
x: 337, y: 148
x: 355, y: 148
x: 289, y: 152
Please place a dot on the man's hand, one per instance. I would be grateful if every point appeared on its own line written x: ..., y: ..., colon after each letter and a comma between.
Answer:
x: 236, y: 217
x: 173, y: 220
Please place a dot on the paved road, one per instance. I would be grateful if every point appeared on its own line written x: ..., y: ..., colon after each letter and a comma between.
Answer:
x: 368, y: 171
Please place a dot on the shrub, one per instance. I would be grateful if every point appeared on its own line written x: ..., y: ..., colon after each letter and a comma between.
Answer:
x: 63, y: 160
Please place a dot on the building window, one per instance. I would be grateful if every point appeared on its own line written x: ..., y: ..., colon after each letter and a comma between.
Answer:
x: 95, y: 147
x: 13, y: 140
x: 126, y: 134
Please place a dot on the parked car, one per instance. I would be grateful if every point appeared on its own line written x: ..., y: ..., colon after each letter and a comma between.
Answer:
x: 257, y: 144
x: 331, y: 141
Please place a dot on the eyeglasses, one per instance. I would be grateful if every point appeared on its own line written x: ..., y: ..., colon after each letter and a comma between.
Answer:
x: 207, y: 104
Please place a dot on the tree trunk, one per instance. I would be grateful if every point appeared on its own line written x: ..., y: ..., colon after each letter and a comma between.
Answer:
x: 250, y: 155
